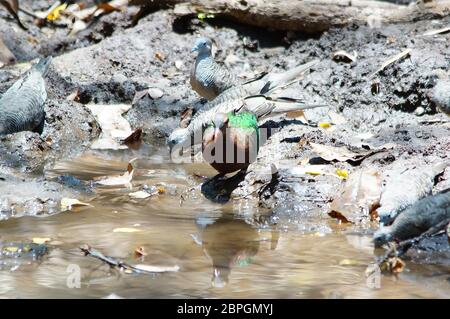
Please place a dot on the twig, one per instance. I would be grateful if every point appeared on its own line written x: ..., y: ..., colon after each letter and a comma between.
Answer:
x: 111, y: 261
x: 402, y: 247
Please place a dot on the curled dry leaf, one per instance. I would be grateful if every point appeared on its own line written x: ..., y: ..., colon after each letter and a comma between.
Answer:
x: 438, y: 31
x: 133, y: 141
x: 69, y: 203
x: 140, y: 252
x: 344, y: 56
x: 360, y: 196
x: 342, y: 154
x: 186, y: 117
x: 114, y: 126
x: 391, y: 60
x: 392, y: 265
x: 124, y: 179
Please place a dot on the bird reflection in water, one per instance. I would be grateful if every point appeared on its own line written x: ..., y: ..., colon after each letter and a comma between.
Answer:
x: 228, y: 243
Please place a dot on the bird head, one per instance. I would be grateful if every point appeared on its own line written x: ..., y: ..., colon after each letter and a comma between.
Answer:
x: 177, y: 138
x: 382, y: 236
x: 202, y: 46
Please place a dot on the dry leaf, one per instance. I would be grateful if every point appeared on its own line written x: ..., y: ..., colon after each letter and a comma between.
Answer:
x: 139, y: 95
x: 133, y: 141
x: 69, y: 203
x: 360, y: 196
x: 139, y: 195
x: 126, y: 230
x: 150, y: 268
x: 41, y: 240
x: 159, y: 56
x: 342, y: 173
x: 438, y: 31
x: 114, y: 126
x: 392, y: 60
x: 344, y: 56
x: 393, y: 265
x: 325, y: 125
x: 140, y: 252
x: 124, y: 179
x: 342, y: 154
x: 55, y: 13
x: 186, y: 117
x: 77, y: 26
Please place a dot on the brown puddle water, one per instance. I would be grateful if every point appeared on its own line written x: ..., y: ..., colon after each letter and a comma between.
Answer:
x: 222, y: 251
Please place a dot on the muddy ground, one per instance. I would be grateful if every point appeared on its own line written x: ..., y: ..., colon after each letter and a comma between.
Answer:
x: 112, y: 60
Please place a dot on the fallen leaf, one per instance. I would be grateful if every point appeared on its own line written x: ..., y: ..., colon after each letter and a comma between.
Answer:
x: 344, y: 56
x: 360, y: 196
x: 342, y: 154
x: 438, y: 31
x: 186, y: 117
x: 150, y: 268
x: 69, y: 203
x: 77, y: 26
x: 124, y: 179
x: 139, y: 95
x: 133, y: 141
x: 13, y: 8
x: 393, y: 265
x: 114, y: 126
x: 140, y: 252
x: 324, y: 125
x: 392, y: 60
x: 139, y: 195
x: 126, y: 230
x: 41, y: 240
x: 159, y: 56
x: 342, y: 173
x: 55, y: 13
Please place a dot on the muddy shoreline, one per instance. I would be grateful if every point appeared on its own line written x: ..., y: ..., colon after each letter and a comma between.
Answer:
x: 112, y: 60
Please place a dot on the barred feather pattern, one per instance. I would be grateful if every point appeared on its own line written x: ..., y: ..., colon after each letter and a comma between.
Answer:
x: 22, y: 105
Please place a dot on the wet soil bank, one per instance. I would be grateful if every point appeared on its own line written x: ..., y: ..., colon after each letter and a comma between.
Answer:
x: 112, y: 60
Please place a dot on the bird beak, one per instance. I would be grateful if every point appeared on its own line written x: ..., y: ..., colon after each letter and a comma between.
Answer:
x: 217, y: 134
x: 194, y: 49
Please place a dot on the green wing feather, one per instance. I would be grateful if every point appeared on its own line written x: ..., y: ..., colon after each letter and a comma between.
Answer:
x: 243, y: 120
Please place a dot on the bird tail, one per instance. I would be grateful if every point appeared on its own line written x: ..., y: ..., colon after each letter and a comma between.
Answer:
x: 284, y: 79
x: 263, y: 106
x: 286, y: 105
x: 43, y: 65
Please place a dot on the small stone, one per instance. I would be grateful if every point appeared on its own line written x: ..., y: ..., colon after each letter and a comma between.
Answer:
x: 155, y: 93
x: 419, y: 111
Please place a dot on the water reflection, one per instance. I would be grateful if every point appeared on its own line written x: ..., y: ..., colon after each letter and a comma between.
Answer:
x: 227, y: 243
